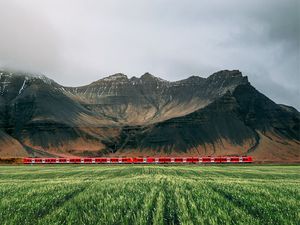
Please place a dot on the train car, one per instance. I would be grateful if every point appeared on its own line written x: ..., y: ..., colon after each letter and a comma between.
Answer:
x: 75, y: 160
x: 143, y: 160
x: 100, y: 160
x: 247, y: 159
x: 138, y: 160
x: 127, y: 160
x: 178, y: 160
x: 206, y: 159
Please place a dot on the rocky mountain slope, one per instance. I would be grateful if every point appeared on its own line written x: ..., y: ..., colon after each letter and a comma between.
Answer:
x: 149, y: 99
x: 219, y: 115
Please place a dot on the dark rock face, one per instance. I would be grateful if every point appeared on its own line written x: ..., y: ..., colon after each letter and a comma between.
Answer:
x: 221, y: 114
x: 150, y: 99
x: 260, y: 113
x: 235, y: 116
x: 218, y: 120
x: 35, y: 111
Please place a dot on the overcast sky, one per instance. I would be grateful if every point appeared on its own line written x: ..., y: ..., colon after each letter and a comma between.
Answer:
x: 76, y: 42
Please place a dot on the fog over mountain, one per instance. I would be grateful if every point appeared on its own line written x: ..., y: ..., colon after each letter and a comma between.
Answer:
x: 76, y: 42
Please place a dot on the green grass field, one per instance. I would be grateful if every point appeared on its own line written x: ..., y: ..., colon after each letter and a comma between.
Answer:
x: 149, y: 194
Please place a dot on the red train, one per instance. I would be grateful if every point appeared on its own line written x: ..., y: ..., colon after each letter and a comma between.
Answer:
x: 142, y: 160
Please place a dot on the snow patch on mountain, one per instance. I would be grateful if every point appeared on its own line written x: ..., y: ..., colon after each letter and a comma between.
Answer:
x: 23, y: 85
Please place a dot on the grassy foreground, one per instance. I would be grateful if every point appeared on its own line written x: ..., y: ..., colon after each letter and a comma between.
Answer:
x: 149, y: 194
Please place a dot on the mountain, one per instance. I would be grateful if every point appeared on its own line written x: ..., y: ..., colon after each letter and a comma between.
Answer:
x: 37, y: 115
x: 219, y: 115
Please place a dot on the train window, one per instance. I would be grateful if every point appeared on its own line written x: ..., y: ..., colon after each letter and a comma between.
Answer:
x: 234, y: 159
x: 114, y: 160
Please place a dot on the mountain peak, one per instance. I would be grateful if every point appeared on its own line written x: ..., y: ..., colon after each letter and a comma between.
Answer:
x: 114, y: 77
x: 10, y: 74
x: 223, y: 74
x: 149, y: 77
x: 228, y: 77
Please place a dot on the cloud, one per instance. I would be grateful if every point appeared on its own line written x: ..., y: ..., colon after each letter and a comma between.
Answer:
x: 78, y: 41
x: 27, y: 41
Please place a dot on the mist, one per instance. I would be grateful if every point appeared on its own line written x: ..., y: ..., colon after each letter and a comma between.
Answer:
x: 76, y: 42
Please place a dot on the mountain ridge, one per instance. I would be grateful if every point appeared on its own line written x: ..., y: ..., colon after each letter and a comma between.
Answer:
x: 117, y: 115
